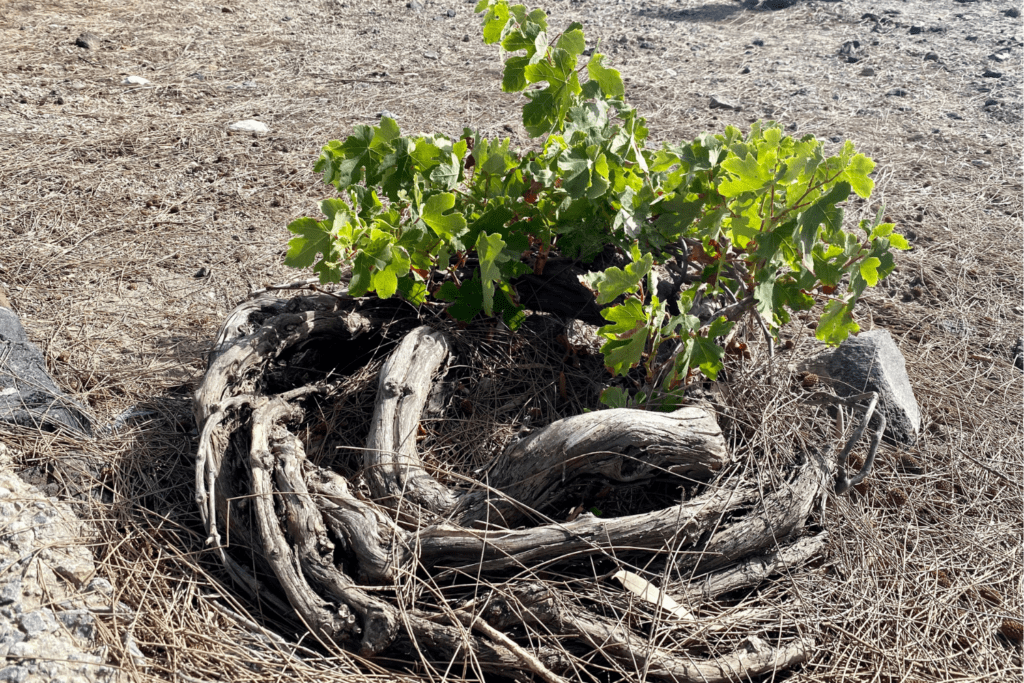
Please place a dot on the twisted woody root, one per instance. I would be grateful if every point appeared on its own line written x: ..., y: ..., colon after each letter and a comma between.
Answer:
x: 302, y: 518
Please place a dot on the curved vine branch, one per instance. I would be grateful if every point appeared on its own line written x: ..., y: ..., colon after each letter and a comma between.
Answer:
x: 326, y: 538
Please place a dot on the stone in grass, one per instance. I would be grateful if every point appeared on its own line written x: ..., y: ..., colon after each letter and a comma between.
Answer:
x: 88, y: 41
x: 249, y: 126
x: 1018, y: 353
x: 28, y: 397
x: 871, y: 361
x: 720, y: 103
x: 135, y: 80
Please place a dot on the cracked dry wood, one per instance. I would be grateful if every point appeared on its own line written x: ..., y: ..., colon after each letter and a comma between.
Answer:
x: 326, y: 621
x: 393, y: 469
x: 622, y: 445
x: 307, y: 517
x: 538, y: 603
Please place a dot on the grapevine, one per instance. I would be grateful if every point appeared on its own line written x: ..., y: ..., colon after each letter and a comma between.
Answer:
x: 753, y: 221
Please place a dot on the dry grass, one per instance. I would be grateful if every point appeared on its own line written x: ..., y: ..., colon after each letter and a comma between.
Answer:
x: 112, y: 201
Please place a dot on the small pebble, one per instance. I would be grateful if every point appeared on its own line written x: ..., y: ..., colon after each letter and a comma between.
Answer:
x: 867, y: 71
x: 989, y: 73
x: 431, y: 55
x: 931, y: 57
x: 249, y: 126
x: 202, y: 272
x: 719, y: 103
x: 135, y: 80
x: 88, y: 41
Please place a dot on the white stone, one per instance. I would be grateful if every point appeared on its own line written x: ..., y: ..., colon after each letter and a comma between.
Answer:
x: 249, y: 126
x: 135, y: 80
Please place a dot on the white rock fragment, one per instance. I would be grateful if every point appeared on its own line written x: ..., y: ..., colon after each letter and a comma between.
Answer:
x: 249, y: 126
x: 135, y: 80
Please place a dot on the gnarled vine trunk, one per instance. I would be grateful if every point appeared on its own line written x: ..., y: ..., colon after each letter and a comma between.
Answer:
x: 342, y: 551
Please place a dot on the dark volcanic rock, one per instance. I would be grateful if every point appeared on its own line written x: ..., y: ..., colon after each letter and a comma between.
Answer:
x: 88, y: 41
x: 871, y: 361
x: 28, y: 397
x: 719, y: 103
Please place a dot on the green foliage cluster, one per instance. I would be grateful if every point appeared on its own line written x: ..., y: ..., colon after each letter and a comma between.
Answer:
x: 758, y: 213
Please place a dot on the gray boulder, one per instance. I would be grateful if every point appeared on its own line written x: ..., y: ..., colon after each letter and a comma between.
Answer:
x: 871, y: 361
x: 28, y: 397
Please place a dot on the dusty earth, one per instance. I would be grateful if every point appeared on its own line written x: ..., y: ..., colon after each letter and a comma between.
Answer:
x: 132, y: 220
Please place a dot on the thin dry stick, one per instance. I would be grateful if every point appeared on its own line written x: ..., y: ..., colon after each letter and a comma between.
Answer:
x: 532, y: 663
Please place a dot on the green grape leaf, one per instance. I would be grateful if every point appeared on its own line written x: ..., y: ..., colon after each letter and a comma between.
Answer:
x: 358, y: 162
x: 898, y: 241
x: 620, y: 355
x: 449, y: 291
x: 609, y: 79
x: 539, y: 113
x: 412, y: 290
x: 469, y: 301
x: 787, y: 294
x: 572, y: 42
x: 446, y: 173
x: 514, y: 77
x: 313, y: 238
x: 614, y: 282
x: 720, y: 327
x: 446, y: 226
x: 511, y: 314
x: 836, y: 323
x: 494, y: 21
x: 385, y: 283
x: 764, y: 299
x: 880, y: 230
x: 575, y: 167
x: 362, y: 274
x: 748, y: 175
x: 384, y: 133
x: 425, y: 154
x: 857, y: 175
x: 707, y: 355
x: 615, y: 397
x: 490, y: 249
x: 821, y: 212
x: 401, y: 169
x: 627, y: 336
x: 328, y: 270
x: 869, y: 270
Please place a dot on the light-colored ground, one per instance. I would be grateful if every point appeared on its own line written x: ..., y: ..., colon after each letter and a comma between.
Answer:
x: 113, y: 197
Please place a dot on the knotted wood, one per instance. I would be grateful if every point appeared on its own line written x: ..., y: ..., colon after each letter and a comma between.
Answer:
x: 342, y: 549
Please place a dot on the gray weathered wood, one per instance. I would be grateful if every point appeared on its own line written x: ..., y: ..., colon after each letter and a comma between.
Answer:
x: 622, y: 445
x: 392, y: 466
x: 406, y: 522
